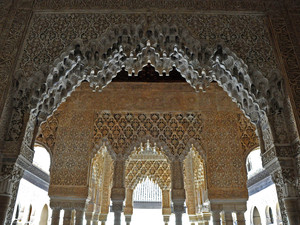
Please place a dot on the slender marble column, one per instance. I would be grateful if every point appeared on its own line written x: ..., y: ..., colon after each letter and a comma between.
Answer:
x: 228, y: 218
x: 117, y: 207
x: 67, y: 216
x: 79, y: 217
x: 178, y: 210
x: 55, y: 216
x: 88, y: 217
x: 216, y: 217
x: 240, y: 216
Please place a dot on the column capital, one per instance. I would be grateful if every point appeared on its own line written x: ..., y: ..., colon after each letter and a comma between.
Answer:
x: 178, y: 206
x: 68, y: 203
x: 118, y: 193
x: 117, y: 205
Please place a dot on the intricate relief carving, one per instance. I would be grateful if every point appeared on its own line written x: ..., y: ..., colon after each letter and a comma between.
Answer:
x: 226, y: 175
x: 287, y: 51
x: 73, y: 137
x: 10, y: 172
x: 248, y: 136
x: 117, y: 48
x: 173, y: 129
x: 147, y: 161
x: 47, y: 131
x: 10, y: 42
x: 279, y: 182
x: 12, y: 203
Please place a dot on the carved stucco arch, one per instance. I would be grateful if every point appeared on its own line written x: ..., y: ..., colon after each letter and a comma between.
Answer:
x: 170, y: 45
x: 164, y: 184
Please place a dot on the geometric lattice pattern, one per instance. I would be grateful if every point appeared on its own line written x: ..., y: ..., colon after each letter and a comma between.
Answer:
x: 122, y: 129
x: 147, y: 162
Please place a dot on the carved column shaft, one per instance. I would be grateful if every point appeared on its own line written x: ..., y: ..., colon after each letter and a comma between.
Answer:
x: 117, y: 207
x: 240, y: 217
x: 216, y: 217
x: 178, y: 210
x: 55, y: 216
x: 79, y: 216
x: 67, y: 217
x: 228, y: 218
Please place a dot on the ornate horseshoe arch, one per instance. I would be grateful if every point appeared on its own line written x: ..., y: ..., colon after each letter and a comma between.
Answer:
x: 164, y: 47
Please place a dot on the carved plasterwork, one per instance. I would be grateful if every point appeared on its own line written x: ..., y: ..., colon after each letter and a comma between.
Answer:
x: 13, y: 22
x: 121, y: 46
x: 124, y: 129
x: 226, y: 176
x: 147, y: 160
x: 248, y: 137
x: 73, y: 138
x: 47, y: 131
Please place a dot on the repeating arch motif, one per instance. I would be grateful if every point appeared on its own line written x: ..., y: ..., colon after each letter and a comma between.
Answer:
x: 165, y: 47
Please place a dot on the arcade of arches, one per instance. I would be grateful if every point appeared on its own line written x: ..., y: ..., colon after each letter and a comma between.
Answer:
x: 123, y: 91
